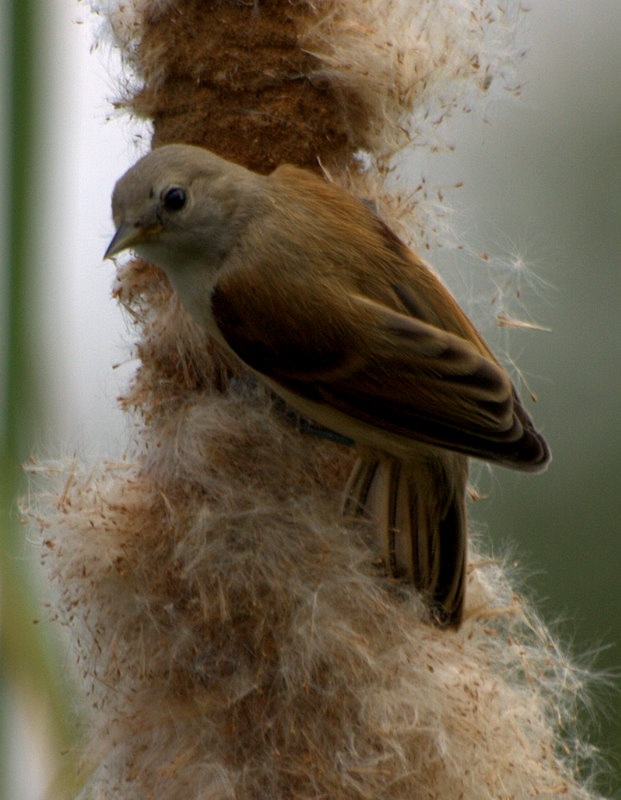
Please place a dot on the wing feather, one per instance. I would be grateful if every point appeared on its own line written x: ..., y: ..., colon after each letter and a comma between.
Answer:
x: 383, y: 368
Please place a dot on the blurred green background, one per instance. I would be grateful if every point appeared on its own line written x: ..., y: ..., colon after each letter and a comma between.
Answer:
x: 549, y: 178
x: 542, y: 182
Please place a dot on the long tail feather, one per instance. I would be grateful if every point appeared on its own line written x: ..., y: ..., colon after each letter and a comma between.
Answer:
x: 419, y: 509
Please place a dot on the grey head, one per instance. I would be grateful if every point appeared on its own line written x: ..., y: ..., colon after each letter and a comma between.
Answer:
x: 180, y: 205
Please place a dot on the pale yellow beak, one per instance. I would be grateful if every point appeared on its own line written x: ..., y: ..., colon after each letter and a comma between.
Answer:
x: 127, y: 235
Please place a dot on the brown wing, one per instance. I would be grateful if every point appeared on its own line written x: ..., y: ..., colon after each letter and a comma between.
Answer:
x: 392, y: 371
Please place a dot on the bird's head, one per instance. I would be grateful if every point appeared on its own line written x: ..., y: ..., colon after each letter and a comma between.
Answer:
x: 179, y: 204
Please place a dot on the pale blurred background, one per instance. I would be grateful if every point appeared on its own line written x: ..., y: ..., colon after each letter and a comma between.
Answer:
x: 542, y: 182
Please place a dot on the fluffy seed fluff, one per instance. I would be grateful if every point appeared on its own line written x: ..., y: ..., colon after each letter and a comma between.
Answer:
x: 405, y: 61
x: 232, y: 633
x: 372, y: 75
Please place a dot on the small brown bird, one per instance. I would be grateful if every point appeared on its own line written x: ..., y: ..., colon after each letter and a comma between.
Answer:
x: 316, y: 295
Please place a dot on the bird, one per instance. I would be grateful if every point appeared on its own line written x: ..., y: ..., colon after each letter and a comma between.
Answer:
x: 311, y: 290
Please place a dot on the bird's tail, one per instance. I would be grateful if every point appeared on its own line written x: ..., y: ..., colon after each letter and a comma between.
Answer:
x: 420, y: 513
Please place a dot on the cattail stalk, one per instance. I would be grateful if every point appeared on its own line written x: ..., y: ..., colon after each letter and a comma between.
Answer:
x: 231, y: 631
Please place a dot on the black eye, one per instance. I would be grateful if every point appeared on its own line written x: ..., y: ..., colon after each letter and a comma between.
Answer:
x: 174, y: 198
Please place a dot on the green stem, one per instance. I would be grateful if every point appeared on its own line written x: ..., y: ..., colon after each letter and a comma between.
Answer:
x: 28, y: 661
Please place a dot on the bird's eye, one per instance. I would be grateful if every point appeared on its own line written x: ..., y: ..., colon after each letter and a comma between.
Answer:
x: 174, y: 198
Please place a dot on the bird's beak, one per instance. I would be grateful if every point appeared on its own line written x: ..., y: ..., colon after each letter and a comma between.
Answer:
x: 127, y: 235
